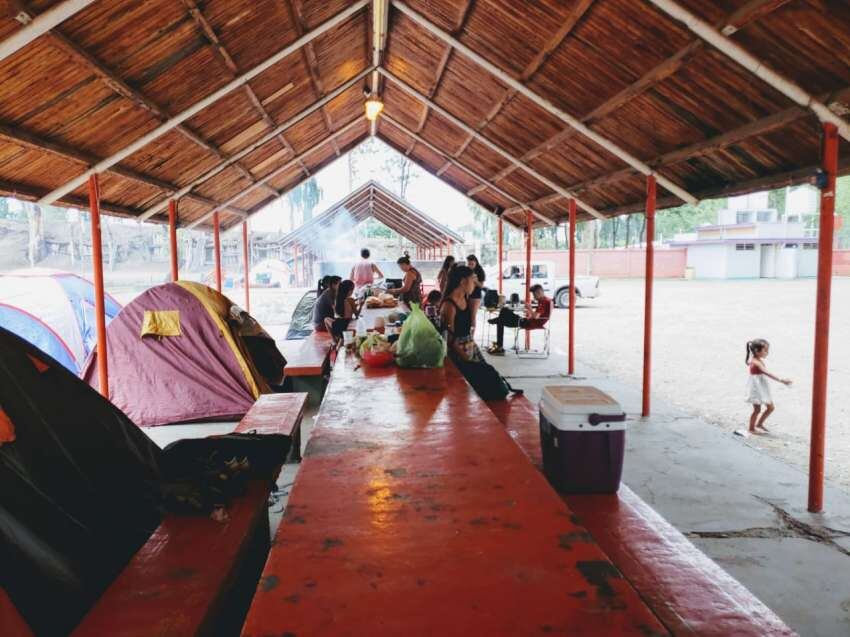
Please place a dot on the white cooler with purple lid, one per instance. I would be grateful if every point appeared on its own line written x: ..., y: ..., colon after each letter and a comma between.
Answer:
x: 583, y: 437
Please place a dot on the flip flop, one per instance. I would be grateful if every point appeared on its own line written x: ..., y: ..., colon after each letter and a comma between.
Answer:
x: 763, y: 428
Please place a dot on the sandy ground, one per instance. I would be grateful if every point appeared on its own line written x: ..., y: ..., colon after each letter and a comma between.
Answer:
x: 700, y: 332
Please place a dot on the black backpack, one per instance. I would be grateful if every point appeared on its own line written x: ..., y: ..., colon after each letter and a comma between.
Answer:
x: 487, y: 382
x: 491, y: 298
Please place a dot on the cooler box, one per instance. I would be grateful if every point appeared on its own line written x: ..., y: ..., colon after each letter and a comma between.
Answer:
x: 583, y: 437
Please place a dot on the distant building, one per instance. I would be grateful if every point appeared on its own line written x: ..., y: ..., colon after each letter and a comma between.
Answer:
x: 751, y: 240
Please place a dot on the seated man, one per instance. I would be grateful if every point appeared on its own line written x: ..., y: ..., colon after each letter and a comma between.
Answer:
x: 534, y: 319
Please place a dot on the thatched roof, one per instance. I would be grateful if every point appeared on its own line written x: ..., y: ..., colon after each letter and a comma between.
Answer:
x: 371, y: 200
x: 517, y: 104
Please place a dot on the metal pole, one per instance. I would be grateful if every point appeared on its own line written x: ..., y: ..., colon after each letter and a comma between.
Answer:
x: 501, y: 271
x: 172, y: 237
x: 247, y: 262
x: 99, y: 302
x: 824, y: 289
x: 571, y: 365
x: 217, y: 250
x: 648, y: 276
x: 529, y: 220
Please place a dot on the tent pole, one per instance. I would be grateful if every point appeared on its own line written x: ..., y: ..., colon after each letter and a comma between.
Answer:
x: 99, y: 301
x: 824, y: 289
x: 247, y: 261
x: 648, y: 277
x: 501, y: 234
x: 529, y: 219
x: 571, y: 348
x: 172, y: 237
x: 217, y: 249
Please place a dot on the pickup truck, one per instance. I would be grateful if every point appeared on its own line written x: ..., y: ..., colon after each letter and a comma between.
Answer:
x: 542, y: 272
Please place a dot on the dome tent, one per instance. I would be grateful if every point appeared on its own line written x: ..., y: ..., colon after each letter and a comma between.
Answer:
x: 182, y: 352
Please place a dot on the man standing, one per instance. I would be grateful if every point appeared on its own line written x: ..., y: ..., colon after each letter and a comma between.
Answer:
x: 535, y: 318
x: 363, y: 273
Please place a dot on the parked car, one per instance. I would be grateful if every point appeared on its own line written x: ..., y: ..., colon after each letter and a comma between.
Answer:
x: 543, y: 272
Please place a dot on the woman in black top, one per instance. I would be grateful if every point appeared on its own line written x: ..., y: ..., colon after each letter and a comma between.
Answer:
x: 456, y: 312
x: 477, y: 292
x: 411, y: 287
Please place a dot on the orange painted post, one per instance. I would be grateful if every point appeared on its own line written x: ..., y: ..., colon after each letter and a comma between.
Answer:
x: 528, y: 235
x: 217, y: 250
x: 571, y: 363
x: 647, y: 311
x: 246, y: 259
x: 824, y: 290
x: 172, y: 237
x: 501, y: 271
x: 99, y: 302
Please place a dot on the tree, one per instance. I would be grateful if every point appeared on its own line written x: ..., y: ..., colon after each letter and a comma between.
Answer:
x: 305, y: 197
x: 35, y: 228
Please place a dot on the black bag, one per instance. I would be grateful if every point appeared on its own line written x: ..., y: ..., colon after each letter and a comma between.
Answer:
x: 487, y: 382
x: 491, y: 298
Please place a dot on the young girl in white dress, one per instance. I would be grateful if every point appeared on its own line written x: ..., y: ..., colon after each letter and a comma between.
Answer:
x: 758, y: 390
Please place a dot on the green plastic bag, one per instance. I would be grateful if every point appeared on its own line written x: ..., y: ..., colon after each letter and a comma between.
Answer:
x: 419, y: 344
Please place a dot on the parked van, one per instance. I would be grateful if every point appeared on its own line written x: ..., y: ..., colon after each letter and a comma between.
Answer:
x: 542, y: 272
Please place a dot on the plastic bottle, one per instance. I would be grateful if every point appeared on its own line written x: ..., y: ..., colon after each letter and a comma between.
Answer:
x: 361, y: 328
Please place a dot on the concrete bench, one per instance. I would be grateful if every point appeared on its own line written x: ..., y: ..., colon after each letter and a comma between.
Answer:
x: 413, y: 513
x: 689, y: 592
x: 196, y: 576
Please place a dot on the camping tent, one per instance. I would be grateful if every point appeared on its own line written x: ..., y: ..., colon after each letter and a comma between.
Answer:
x: 54, y: 311
x: 79, y: 493
x: 183, y: 352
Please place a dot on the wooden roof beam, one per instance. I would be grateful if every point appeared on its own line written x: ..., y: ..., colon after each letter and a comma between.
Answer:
x: 380, y: 26
x: 748, y: 13
x: 29, y: 193
x: 379, y: 192
x: 757, y: 67
x: 486, y: 142
x: 281, y: 169
x: 453, y: 162
x: 292, y: 121
x: 40, y: 25
x: 546, y: 105
x: 441, y: 68
x: 196, y: 108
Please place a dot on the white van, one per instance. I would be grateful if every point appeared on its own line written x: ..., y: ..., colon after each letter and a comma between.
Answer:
x: 542, y: 272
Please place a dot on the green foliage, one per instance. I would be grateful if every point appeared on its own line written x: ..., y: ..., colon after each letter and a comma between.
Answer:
x: 305, y: 198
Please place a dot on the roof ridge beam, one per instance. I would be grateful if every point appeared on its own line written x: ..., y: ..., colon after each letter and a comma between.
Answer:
x: 546, y: 105
x: 754, y: 65
x: 178, y: 119
x: 277, y: 171
x: 40, y: 25
x: 292, y: 121
x: 491, y: 145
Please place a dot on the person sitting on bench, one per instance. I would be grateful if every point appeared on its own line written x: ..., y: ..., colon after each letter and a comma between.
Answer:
x: 535, y: 318
x: 324, y: 306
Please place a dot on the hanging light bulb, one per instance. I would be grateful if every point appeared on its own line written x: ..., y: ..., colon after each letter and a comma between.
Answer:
x: 374, y: 106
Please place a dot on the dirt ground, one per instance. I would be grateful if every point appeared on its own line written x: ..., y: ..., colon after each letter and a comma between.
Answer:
x: 700, y: 332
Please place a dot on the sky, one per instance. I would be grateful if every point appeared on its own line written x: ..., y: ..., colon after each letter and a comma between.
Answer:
x: 425, y: 191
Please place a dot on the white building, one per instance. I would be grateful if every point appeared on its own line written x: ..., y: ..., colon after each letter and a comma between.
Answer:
x: 751, y: 240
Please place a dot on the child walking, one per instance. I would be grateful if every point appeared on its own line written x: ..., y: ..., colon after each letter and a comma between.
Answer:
x: 758, y: 390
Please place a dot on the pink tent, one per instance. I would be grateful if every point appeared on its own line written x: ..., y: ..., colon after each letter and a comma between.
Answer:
x: 190, y: 364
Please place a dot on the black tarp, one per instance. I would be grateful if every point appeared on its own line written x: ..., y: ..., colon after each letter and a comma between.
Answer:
x: 78, y: 489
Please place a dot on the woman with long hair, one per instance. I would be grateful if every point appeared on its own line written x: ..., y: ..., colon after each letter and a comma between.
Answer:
x: 345, y: 309
x: 443, y: 274
x: 477, y: 293
x: 455, y: 311
x: 411, y: 287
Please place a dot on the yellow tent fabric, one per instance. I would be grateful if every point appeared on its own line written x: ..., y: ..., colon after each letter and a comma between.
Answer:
x: 161, y: 323
x: 218, y: 307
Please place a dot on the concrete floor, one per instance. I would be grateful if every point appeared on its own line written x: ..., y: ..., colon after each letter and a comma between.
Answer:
x: 740, y: 506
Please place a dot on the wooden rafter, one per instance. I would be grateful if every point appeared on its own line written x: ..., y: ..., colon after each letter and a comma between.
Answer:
x: 746, y: 14
x: 441, y: 67
x: 578, y: 11
x: 221, y: 51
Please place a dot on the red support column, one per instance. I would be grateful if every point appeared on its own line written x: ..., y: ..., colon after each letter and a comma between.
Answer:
x: 571, y: 363
x: 217, y: 250
x: 99, y: 302
x: 528, y: 237
x: 647, y: 311
x: 172, y: 237
x: 500, y: 274
x: 821, y: 355
x: 247, y: 261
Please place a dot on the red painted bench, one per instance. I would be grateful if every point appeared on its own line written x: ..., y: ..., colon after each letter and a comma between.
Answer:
x: 413, y: 513
x: 310, y: 356
x: 195, y: 576
x: 689, y: 592
x: 277, y: 414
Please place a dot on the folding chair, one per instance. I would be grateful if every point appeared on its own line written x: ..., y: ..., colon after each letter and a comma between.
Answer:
x: 522, y: 352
